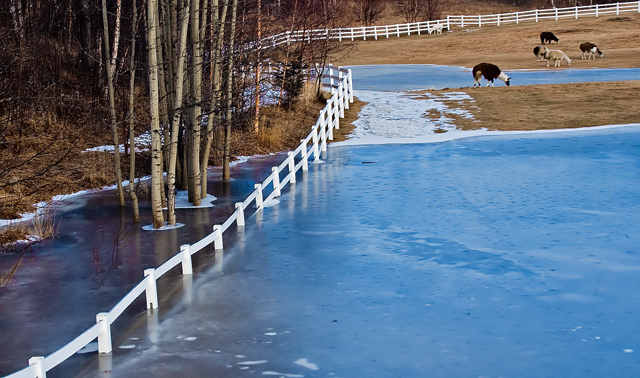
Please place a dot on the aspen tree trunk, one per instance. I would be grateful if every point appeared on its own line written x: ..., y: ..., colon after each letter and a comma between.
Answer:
x: 116, y: 39
x: 175, y: 123
x: 256, y: 122
x: 156, y: 140
x: 132, y: 136
x: 112, y: 105
x: 164, y: 109
x: 196, y: 109
x: 214, y: 115
x: 226, y: 169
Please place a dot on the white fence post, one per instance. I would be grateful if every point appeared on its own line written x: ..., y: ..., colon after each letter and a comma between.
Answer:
x: 276, y: 181
x: 351, y: 85
x: 104, y: 338
x: 151, y: 290
x: 576, y: 12
x: 292, y: 167
x: 331, y: 76
x: 217, y: 241
x: 240, y: 210
x: 325, y: 123
x: 556, y: 14
x: 187, y: 266
x: 259, y: 199
x: 323, y: 137
x: 305, y: 157
x: 336, y: 113
x: 38, y: 361
x: 536, y: 15
x: 316, y: 154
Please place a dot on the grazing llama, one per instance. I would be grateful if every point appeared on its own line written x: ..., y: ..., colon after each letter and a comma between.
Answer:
x: 591, y: 49
x: 490, y: 73
x: 548, y: 37
x: 557, y: 56
x: 538, y: 51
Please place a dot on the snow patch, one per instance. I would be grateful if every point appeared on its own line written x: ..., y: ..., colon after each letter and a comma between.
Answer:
x: 270, y: 203
x: 305, y: 363
x: 252, y: 362
x: 163, y: 228
x: 282, y: 374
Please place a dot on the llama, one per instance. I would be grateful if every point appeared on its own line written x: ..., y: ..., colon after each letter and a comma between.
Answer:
x: 591, y: 49
x: 490, y: 72
x: 557, y: 56
x: 538, y: 51
x: 437, y: 28
x: 548, y: 36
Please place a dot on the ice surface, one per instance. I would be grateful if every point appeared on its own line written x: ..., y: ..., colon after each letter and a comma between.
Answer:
x: 505, y: 254
x: 501, y: 255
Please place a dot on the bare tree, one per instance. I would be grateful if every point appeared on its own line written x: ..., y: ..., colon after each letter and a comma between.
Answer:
x: 112, y: 105
x: 434, y: 9
x: 226, y: 159
x: 412, y: 10
x: 368, y: 11
x: 156, y: 137
x: 175, y: 123
x: 256, y: 122
x: 131, y: 116
x: 218, y: 23
x: 195, y: 113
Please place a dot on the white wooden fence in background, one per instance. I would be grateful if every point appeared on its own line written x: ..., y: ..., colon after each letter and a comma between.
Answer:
x: 340, y: 82
x: 544, y: 14
x: 430, y: 27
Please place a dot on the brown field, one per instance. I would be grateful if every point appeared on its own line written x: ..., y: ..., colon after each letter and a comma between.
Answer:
x: 510, y: 47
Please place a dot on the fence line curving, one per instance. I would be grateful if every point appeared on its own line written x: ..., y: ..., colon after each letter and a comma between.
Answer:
x: 437, y: 26
x: 310, y: 147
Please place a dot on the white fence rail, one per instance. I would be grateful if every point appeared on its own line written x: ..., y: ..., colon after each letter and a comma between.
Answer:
x: 544, y: 14
x: 310, y: 147
x: 437, y: 26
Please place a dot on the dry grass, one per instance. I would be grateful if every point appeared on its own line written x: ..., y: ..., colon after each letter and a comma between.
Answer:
x: 42, y: 226
x: 509, y: 46
x: 553, y: 106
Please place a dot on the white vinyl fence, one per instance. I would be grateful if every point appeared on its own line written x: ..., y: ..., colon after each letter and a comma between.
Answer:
x: 437, y: 26
x: 544, y: 14
x: 340, y: 82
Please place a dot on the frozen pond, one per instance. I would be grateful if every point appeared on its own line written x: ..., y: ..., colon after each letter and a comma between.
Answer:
x: 503, y: 255
x: 511, y: 256
x: 407, y: 77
